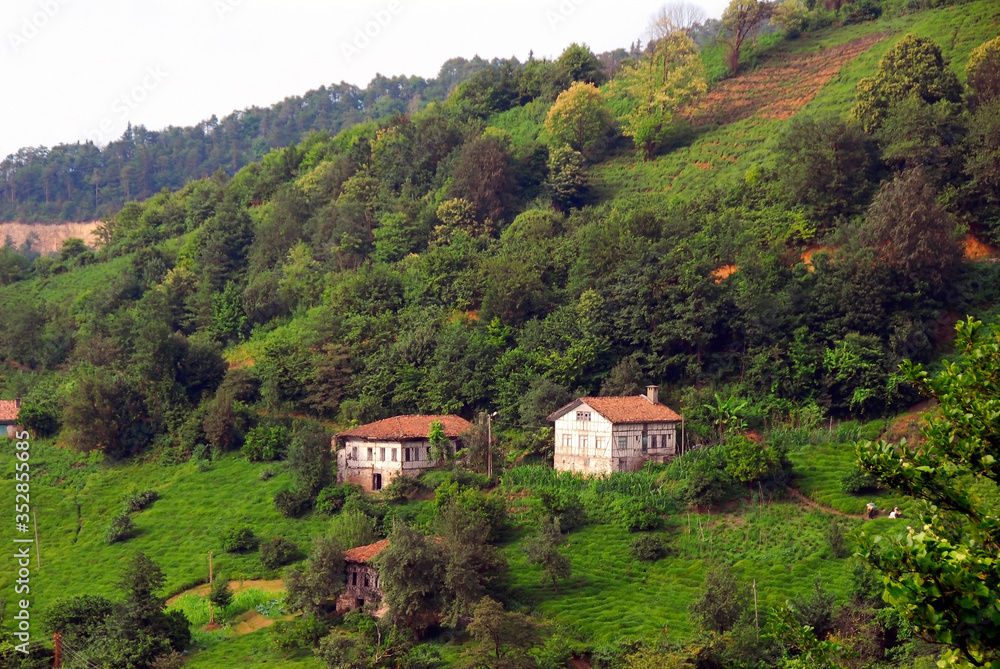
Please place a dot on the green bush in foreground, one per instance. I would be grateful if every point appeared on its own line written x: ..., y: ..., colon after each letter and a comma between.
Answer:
x: 121, y: 529
x: 239, y: 539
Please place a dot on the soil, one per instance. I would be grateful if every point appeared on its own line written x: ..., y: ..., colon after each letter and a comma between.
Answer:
x: 48, y: 237
x: 816, y: 505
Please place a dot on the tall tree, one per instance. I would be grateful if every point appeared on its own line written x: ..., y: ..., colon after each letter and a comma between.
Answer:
x: 741, y: 21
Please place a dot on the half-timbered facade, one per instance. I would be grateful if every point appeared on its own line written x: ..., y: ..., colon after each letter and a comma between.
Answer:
x: 600, y: 435
x: 372, y: 455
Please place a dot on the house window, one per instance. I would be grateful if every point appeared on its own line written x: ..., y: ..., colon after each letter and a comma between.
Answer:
x: 354, y: 453
x: 406, y: 454
x: 598, y: 443
x: 653, y: 445
x: 366, y: 580
x: 583, y: 443
x: 567, y: 441
x: 394, y: 455
x: 623, y: 443
x: 381, y: 454
x: 354, y: 578
x: 583, y: 415
x: 370, y: 453
x: 645, y: 443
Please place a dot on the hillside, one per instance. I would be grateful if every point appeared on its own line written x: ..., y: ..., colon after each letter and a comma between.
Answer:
x: 767, y: 247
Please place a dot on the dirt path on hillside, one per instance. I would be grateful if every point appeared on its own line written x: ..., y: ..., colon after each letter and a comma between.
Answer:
x: 816, y: 505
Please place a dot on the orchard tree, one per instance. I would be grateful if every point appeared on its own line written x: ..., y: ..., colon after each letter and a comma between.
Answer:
x: 741, y: 20
x: 649, y: 93
x: 673, y: 17
x: 543, y: 549
x: 579, y: 119
x: 942, y: 576
x: 913, y: 67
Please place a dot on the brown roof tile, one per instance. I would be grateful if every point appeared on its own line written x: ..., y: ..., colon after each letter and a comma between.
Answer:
x: 408, y: 427
x: 633, y: 409
x: 366, y: 553
x: 9, y: 410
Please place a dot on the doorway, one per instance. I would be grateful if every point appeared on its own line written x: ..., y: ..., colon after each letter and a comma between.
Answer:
x: 376, y: 481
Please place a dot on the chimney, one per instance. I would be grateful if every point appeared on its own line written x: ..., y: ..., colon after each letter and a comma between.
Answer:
x: 17, y: 403
x: 653, y: 394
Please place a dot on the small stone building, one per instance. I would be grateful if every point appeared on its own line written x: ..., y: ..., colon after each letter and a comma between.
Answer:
x: 9, y: 411
x: 362, y: 577
x: 372, y: 455
x: 600, y: 435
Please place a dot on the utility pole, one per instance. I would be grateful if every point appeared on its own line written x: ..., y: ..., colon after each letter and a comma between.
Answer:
x: 489, y: 446
x: 57, y: 643
x: 211, y: 611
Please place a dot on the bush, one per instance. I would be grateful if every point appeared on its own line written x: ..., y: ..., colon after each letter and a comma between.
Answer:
x: 266, y: 474
x: 121, y: 529
x: 138, y: 501
x: 838, y: 542
x: 221, y: 594
x: 239, y: 539
x: 860, y: 11
x: 566, y: 506
x: 277, y: 552
x: 859, y: 481
x: 331, y: 499
x: 401, y: 488
x: 265, y: 444
x: 707, y: 485
x: 647, y: 548
x: 292, y: 503
x: 636, y: 517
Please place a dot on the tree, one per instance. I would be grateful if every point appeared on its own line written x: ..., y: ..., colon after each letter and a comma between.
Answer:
x: 567, y: 181
x: 983, y: 74
x: 315, y: 587
x: 623, y: 380
x: 410, y: 574
x: 722, y: 604
x: 648, y: 94
x: 580, y: 119
x: 673, y: 17
x: 543, y: 549
x: 942, y: 575
x: 913, y: 66
x: 982, y: 160
x: 578, y: 63
x: 440, y: 444
x: 746, y: 460
x: 911, y: 233
x: 503, y: 638
x: 309, y: 459
x: 105, y: 412
x: 741, y: 20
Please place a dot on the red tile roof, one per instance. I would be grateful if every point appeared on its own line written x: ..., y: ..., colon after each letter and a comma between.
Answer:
x: 365, y: 553
x: 408, y: 427
x: 633, y: 409
x: 9, y: 410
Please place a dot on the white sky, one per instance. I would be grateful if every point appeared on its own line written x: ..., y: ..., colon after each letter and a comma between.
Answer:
x: 82, y: 69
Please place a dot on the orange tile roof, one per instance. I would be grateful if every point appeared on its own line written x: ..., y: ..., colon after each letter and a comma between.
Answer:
x: 9, y: 410
x: 365, y: 553
x: 408, y: 427
x: 633, y: 409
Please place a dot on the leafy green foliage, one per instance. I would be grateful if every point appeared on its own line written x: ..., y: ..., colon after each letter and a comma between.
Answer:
x: 314, y: 587
x: 580, y: 120
x: 543, y: 549
x: 647, y: 548
x: 265, y: 444
x: 939, y: 577
x: 277, y: 552
x: 137, y: 501
x: 238, y: 539
x: 221, y: 594
x: 122, y: 528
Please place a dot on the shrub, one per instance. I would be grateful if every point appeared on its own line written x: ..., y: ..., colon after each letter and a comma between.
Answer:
x: 647, y: 548
x: 292, y: 503
x: 838, y: 542
x: 277, y: 552
x: 265, y: 444
x: 239, y: 539
x: 861, y: 11
x: 331, y: 499
x: 121, y: 529
x: 221, y: 594
x: 707, y: 485
x: 636, y: 517
x: 400, y: 488
x: 266, y: 474
x: 566, y: 506
x: 353, y: 528
x: 138, y: 501
x: 859, y: 481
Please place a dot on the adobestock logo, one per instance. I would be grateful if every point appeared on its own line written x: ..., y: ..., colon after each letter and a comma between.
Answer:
x: 363, y: 35
x: 223, y: 7
x: 33, y: 24
x: 124, y: 104
x: 562, y: 12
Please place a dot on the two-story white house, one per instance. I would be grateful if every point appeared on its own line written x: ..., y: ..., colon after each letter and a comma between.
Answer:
x: 372, y: 455
x: 600, y: 435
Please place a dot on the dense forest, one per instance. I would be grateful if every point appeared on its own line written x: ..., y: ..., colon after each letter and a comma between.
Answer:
x: 502, y: 239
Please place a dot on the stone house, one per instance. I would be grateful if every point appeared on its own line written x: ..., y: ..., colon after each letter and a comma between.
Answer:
x: 362, y: 577
x: 600, y: 435
x: 9, y: 410
x: 372, y: 455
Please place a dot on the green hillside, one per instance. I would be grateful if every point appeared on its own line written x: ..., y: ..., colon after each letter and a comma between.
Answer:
x: 767, y: 245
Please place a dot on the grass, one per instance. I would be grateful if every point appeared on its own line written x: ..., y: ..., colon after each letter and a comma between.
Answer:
x: 76, y: 497
x: 251, y: 650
